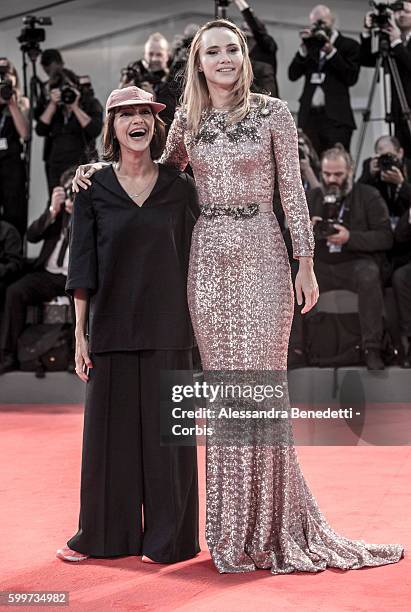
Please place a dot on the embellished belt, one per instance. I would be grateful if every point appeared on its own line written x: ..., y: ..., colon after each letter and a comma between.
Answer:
x: 242, y: 211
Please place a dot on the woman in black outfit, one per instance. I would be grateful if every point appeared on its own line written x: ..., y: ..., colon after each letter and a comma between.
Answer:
x: 14, y: 129
x: 129, y: 251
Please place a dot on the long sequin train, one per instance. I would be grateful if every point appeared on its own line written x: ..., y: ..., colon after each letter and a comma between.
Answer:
x: 260, y: 511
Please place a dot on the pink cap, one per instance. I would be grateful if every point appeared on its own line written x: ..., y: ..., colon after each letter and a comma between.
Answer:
x: 129, y: 96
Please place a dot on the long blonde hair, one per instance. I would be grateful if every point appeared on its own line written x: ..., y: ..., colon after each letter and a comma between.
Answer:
x: 196, y: 97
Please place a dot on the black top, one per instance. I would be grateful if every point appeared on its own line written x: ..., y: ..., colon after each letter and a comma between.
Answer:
x: 368, y: 222
x: 263, y: 54
x: 66, y: 139
x: 134, y: 261
x: 48, y: 229
x: 341, y: 72
x: 11, y: 260
x: 8, y: 130
x: 398, y: 200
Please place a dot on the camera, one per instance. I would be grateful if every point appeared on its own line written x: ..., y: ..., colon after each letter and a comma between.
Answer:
x: 320, y: 33
x: 331, y: 204
x: 137, y: 73
x: 6, y: 86
x: 31, y: 36
x: 388, y: 161
x: 61, y: 81
x: 381, y: 18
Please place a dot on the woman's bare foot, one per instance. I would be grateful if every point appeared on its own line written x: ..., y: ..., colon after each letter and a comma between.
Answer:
x: 66, y: 554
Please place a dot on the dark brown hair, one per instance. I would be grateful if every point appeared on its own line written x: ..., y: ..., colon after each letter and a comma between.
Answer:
x: 338, y: 151
x: 67, y: 175
x: 111, y: 147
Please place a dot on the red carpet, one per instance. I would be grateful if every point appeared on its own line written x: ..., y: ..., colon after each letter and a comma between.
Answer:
x: 363, y: 491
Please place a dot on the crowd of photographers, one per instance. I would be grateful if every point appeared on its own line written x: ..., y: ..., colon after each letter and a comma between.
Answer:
x: 362, y: 229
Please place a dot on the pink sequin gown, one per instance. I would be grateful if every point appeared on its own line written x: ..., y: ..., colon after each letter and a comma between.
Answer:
x: 260, y: 511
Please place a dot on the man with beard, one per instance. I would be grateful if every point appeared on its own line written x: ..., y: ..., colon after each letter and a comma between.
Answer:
x: 352, y: 231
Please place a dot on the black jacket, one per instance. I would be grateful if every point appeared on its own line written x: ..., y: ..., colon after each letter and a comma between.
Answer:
x: 263, y: 54
x: 402, y: 55
x: 341, y: 73
x: 397, y: 200
x: 44, y: 228
x: 67, y: 141
x: 134, y: 262
x: 11, y: 261
x: 402, y: 237
x: 370, y: 228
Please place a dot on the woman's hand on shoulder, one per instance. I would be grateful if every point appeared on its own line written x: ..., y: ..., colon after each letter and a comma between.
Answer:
x: 84, y: 173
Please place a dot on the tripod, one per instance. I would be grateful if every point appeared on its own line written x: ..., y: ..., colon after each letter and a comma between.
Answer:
x: 387, y: 62
x: 32, y: 51
x: 220, y: 9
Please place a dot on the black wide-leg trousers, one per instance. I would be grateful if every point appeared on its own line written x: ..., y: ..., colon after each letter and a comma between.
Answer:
x: 137, y: 497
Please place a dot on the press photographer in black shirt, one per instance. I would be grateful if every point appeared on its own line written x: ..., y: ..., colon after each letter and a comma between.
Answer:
x: 329, y: 62
x: 398, y: 31
x: 71, y: 121
x: 352, y: 231
x: 390, y: 172
x: 14, y: 110
x: 262, y: 49
x: 48, y: 278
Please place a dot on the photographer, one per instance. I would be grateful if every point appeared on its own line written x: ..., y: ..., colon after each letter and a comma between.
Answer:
x: 352, y: 232
x: 329, y: 62
x: 71, y: 121
x: 51, y: 61
x: 14, y: 128
x: 48, y: 278
x: 262, y: 49
x: 152, y: 74
x: 401, y: 282
x: 395, y: 26
x: 389, y: 171
x: 11, y: 260
x: 309, y: 162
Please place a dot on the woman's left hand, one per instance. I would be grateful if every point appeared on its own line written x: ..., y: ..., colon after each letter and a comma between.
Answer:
x: 306, y: 285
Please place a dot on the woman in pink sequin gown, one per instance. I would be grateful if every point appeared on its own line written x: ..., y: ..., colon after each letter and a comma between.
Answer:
x: 260, y: 511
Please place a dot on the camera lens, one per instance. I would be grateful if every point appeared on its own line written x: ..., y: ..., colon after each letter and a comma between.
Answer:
x: 68, y: 95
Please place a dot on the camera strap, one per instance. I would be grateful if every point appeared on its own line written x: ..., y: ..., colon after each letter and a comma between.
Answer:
x: 2, y: 121
x: 342, y: 210
x: 3, y: 141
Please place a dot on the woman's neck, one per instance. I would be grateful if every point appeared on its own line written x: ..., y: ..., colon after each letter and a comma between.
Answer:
x: 221, y: 98
x: 134, y: 163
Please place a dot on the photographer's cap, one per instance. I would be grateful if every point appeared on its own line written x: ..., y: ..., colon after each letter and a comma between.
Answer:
x: 130, y: 96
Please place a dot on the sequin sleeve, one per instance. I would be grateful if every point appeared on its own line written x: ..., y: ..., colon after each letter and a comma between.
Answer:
x: 175, y: 152
x: 293, y: 200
